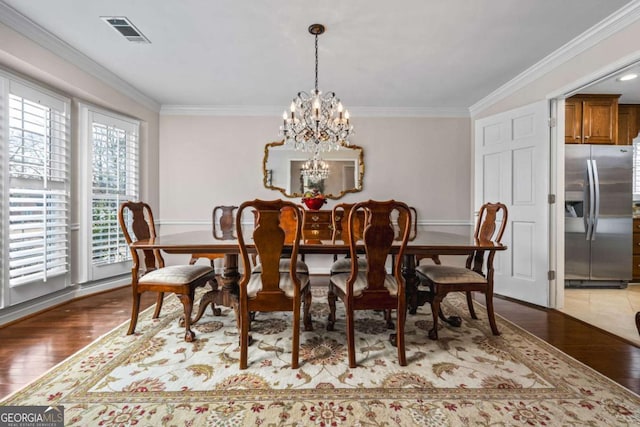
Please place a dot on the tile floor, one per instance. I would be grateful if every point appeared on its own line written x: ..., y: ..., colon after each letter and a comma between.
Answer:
x: 613, y: 310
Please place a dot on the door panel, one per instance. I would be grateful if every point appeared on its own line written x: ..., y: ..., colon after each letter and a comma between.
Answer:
x: 512, y: 167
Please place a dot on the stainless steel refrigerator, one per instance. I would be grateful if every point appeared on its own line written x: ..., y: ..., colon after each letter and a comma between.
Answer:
x: 598, y: 215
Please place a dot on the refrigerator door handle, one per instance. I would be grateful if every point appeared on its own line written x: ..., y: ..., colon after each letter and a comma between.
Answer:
x: 589, y: 201
x: 596, y: 208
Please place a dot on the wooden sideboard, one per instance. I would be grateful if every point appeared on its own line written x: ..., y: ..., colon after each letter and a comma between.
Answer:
x: 317, y: 225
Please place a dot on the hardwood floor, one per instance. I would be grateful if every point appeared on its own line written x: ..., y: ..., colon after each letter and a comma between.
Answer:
x: 32, y: 346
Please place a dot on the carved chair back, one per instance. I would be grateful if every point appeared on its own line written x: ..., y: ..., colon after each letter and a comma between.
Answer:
x: 340, y: 222
x: 270, y: 239
x: 487, y: 229
x: 224, y: 224
x: 378, y: 237
x: 136, y: 222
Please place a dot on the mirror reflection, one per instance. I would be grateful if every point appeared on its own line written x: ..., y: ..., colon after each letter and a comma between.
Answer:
x: 282, y: 170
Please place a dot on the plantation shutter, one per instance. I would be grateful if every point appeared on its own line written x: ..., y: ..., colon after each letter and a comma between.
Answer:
x: 115, y: 178
x: 38, y: 190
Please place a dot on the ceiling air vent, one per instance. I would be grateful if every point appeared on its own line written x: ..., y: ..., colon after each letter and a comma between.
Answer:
x: 122, y: 25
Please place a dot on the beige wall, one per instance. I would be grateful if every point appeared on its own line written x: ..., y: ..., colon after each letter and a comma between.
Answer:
x: 218, y: 160
x: 615, y: 51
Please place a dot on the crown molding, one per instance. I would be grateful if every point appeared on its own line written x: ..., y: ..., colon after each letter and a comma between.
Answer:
x: 39, y: 35
x: 276, y: 111
x: 615, y: 22
x: 220, y: 110
x: 408, y: 112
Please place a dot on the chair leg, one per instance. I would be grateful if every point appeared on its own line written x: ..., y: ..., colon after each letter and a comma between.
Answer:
x: 295, y: 341
x: 187, y: 303
x: 135, y: 309
x: 351, y: 345
x: 435, y: 309
x: 388, y: 319
x: 490, y: 314
x: 308, y: 325
x: 159, y: 300
x: 331, y: 299
x: 472, y: 311
x: 401, y: 318
x: 243, y: 319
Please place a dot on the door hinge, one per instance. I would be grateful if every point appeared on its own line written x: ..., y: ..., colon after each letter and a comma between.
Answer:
x: 551, y: 198
x: 552, y: 122
x: 551, y: 275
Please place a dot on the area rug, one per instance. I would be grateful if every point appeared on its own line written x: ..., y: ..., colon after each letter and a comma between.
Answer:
x: 466, y: 378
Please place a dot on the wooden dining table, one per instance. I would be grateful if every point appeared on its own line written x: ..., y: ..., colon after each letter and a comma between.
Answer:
x: 425, y: 243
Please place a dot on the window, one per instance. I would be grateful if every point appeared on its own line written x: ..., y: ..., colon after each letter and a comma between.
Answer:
x: 114, y: 178
x: 36, y: 172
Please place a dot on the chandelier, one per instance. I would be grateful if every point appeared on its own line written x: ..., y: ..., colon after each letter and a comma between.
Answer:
x: 315, y: 168
x: 316, y: 121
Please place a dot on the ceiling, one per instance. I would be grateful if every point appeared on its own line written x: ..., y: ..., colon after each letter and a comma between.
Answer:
x: 374, y: 53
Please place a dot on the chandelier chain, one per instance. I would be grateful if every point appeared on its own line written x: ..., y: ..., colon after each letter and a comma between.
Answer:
x: 316, y: 86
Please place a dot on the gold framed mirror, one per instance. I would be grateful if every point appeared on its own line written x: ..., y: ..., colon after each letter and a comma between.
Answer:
x: 281, y: 168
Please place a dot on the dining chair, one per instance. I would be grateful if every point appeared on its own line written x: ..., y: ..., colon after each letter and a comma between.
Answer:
x: 267, y: 287
x: 136, y: 222
x: 476, y: 276
x: 414, y: 232
x: 341, y: 234
x: 223, y: 228
x: 372, y: 288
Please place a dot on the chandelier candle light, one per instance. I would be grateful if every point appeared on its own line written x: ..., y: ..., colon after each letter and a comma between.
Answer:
x: 316, y: 122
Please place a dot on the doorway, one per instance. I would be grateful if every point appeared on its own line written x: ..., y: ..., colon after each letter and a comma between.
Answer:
x: 610, y: 309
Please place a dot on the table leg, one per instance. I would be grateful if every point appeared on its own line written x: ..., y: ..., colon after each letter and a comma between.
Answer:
x: 224, y: 291
x: 209, y: 298
x: 411, y: 282
x: 228, y: 295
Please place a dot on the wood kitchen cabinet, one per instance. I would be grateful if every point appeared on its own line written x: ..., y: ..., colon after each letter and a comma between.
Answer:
x: 591, y: 119
x: 628, y: 123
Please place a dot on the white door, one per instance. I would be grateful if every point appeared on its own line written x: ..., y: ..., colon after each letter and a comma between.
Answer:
x: 512, y: 151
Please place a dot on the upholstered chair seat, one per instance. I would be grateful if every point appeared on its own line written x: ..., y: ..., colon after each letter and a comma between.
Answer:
x: 284, y: 267
x: 285, y: 284
x: 450, y: 274
x: 361, y: 283
x: 179, y: 274
x: 343, y: 265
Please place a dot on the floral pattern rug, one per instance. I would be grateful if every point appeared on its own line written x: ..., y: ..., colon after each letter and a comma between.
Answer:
x: 467, y: 377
